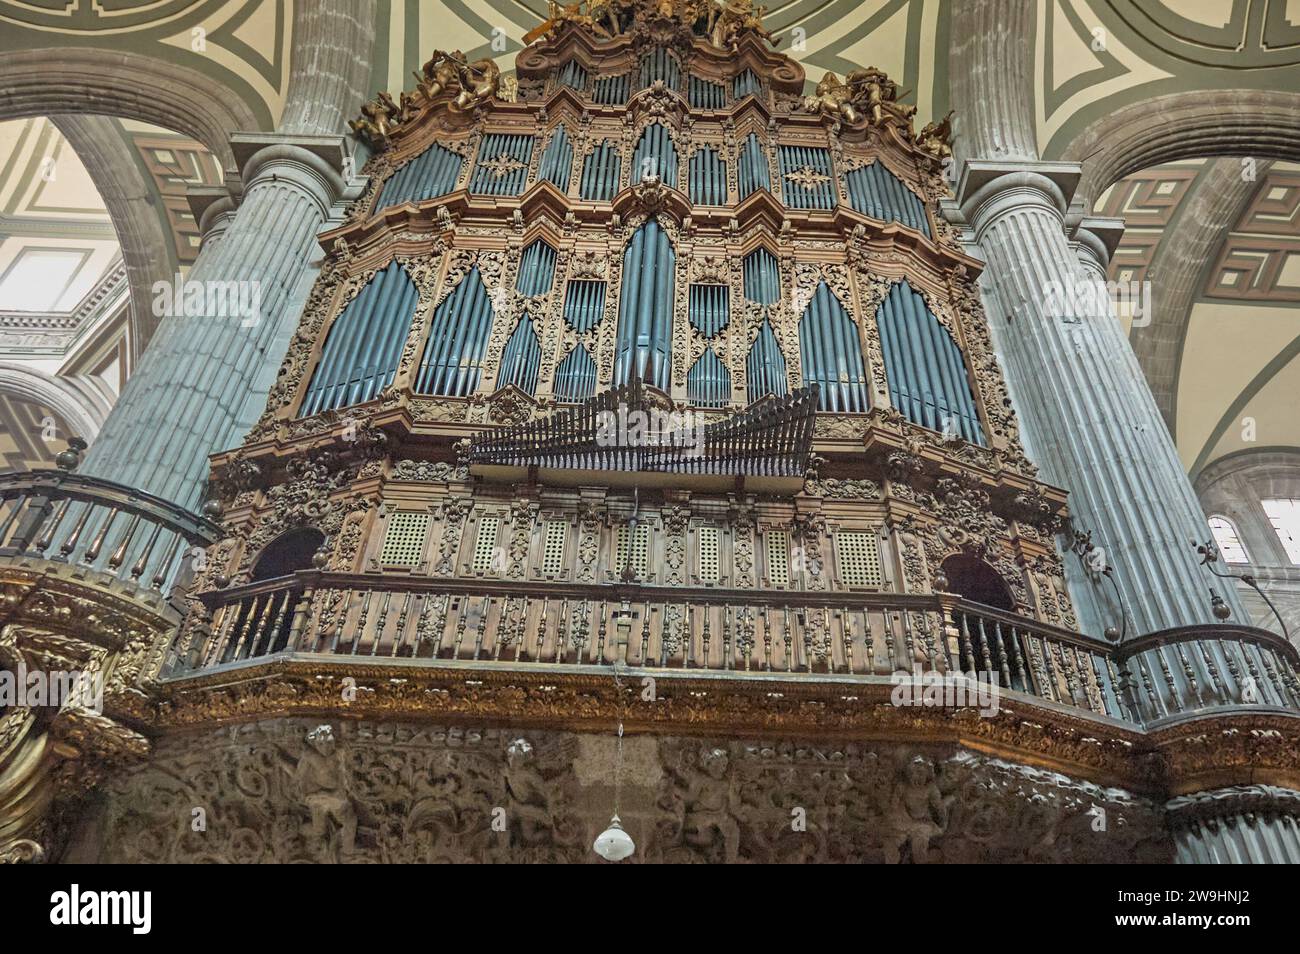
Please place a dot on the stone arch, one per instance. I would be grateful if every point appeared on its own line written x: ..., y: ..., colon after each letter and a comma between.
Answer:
x: 83, y: 401
x: 119, y: 83
x: 148, y: 251
x: 1258, y: 124
x: 1264, y: 124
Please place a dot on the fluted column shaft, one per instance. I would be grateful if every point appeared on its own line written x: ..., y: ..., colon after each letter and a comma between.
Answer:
x: 1244, y: 824
x: 1089, y: 419
x: 204, y: 378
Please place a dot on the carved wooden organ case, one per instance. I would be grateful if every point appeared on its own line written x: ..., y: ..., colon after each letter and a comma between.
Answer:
x: 781, y: 241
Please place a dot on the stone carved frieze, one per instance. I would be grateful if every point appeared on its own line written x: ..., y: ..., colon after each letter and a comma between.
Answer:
x: 295, y: 790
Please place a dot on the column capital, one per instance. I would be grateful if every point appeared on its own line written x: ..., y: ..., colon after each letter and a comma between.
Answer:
x: 319, y: 165
x: 991, y: 187
x: 1095, y: 239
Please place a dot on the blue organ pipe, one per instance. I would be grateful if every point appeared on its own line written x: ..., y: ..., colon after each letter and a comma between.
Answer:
x: 915, y: 363
x: 708, y: 383
x: 361, y: 351
x: 923, y: 341
x: 600, y: 173
x: 365, y: 354
x: 659, y: 64
x: 354, y: 339
x: 347, y: 329
x: 663, y: 310
x: 828, y: 344
x: 430, y: 174
x: 457, y: 339
x: 708, y: 308
x: 584, y: 304
x: 762, y: 277
x: 611, y: 90
x: 536, y: 269
x: 557, y: 160
x: 575, y: 377
x: 521, y: 357
x: 765, y: 366
x: 629, y: 306
x: 646, y: 307
x: 573, y: 75
x: 924, y: 365
x: 705, y: 95
x: 708, y: 178
x: 516, y: 147
x: 657, y: 146
x: 745, y: 83
x: 752, y: 171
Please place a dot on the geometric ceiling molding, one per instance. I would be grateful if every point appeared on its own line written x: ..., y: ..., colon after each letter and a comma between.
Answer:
x: 115, y: 83
x: 1254, y: 33
x: 1079, y: 47
x: 1211, y: 52
x: 227, y: 50
x: 1260, y: 258
x: 1190, y: 232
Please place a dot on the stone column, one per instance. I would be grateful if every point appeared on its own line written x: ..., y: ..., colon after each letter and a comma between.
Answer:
x: 1244, y: 824
x: 1088, y: 416
x: 203, y: 380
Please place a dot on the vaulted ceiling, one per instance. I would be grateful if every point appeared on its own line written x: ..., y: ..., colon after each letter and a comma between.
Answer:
x: 1103, y: 82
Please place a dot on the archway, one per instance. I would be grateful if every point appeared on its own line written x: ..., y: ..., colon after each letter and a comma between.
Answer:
x: 289, y: 552
x: 975, y: 581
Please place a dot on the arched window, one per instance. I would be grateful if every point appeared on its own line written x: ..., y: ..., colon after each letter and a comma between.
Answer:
x: 925, y: 368
x: 831, y: 356
x: 289, y: 552
x: 430, y: 174
x: 655, y: 156
x: 1284, y: 514
x: 521, y: 357
x: 364, y: 344
x: 1226, y: 539
x: 458, y: 335
x: 645, y: 320
x: 987, y: 644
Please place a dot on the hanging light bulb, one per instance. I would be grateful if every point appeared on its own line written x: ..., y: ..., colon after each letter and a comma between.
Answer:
x: 614, y: 844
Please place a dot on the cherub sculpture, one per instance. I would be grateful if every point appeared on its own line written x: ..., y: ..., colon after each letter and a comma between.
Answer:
x: 440, y: 73
x: 479, y: 82
x: 320, y: 781
x: 936, y: 138
x: 917, y: 812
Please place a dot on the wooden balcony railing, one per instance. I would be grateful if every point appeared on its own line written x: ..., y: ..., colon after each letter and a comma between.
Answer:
x: 801, y: 635
x: 132, y: 537
x: 1195, y: 670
